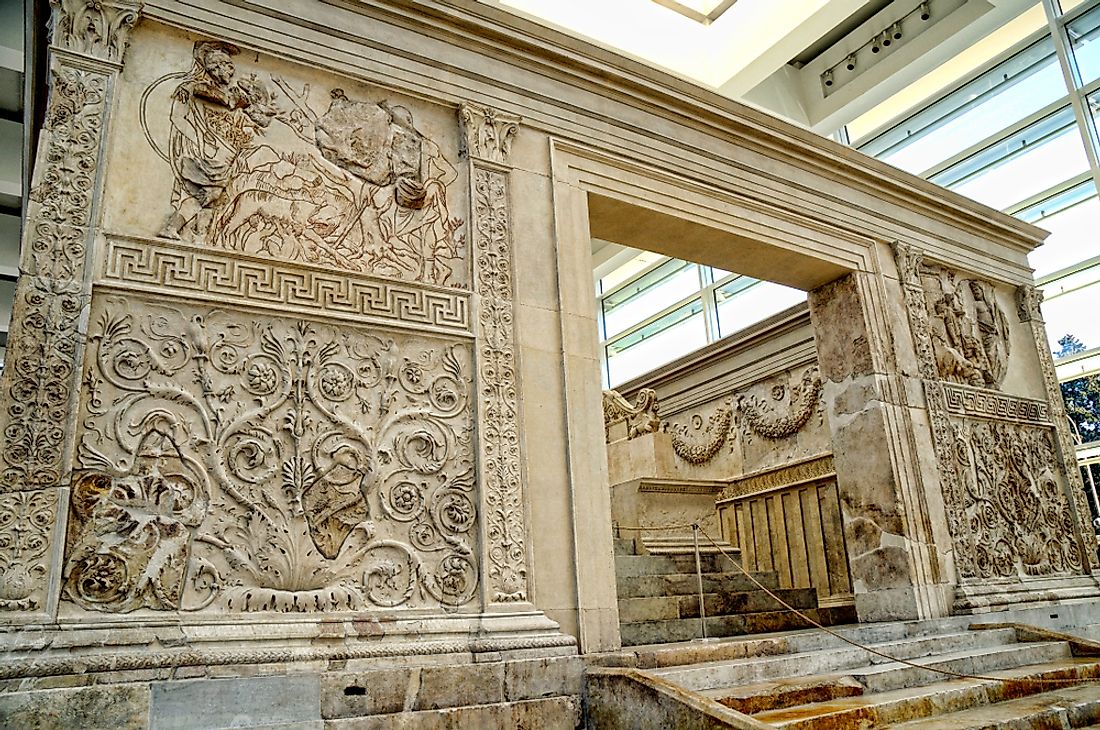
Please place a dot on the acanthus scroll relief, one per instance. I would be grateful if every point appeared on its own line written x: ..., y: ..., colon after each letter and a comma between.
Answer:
x: 26, y: 521
x: 229, y: 464
x: 266, y: 166
x: 41, y: 370
x: 1015, y: 520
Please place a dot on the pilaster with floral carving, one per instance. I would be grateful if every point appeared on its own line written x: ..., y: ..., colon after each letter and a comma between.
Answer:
x: 40, y: 382
x: 909, y: 260
x: 487, y: 137
x: 1028, y: 299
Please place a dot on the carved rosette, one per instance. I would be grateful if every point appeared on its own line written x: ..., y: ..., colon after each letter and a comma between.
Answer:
x: 487, y: 136
x: 26, y: 520
x: 1028, y: 299
x: 96, y: 28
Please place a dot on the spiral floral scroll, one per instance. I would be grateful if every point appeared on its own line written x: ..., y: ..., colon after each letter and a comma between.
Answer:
x: 233, y: 465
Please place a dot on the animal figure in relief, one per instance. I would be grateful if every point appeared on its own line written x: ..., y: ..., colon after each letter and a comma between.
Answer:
x: 258, y: 170
x: 969, y: 329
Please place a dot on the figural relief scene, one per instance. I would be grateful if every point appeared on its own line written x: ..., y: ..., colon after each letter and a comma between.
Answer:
x: 1007, y: 500
x: 233, y: 462
x: 247, y: 156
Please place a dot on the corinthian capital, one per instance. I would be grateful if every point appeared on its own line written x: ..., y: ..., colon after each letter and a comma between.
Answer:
x: 486, y: 133
x: 96, y: 28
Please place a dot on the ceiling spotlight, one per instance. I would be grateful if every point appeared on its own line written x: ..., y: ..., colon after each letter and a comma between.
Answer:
x: 925, y: 10
x: 895, y: 31
x: 875, y: 46
x: 827, y: 78
x: 886, y: 39
x: 850, y: 62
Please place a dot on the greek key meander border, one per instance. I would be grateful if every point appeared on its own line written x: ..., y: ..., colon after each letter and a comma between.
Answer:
x: 961, y: 400
x: 149, y: 264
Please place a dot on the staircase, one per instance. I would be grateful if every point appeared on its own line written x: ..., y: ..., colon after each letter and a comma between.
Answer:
x: 809, y: 680
x: 659, y: 598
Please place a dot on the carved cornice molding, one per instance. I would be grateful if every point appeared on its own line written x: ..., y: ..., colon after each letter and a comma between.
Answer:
x: 486, y: 133
x: 96, y: 28
x: 818, y: 467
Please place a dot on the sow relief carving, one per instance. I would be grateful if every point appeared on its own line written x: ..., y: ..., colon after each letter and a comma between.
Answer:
x: 266, y: 167
x: 228, y: 463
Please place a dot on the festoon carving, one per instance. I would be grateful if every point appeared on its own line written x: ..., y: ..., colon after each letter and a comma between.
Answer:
x: 765, y: 419
x: 97, y: 28
x: 640, y: 418
x: 233, y: 464
x: 487, y: 133
x: 505, y: 523
x: 703, y: 440
x: 262, y: 167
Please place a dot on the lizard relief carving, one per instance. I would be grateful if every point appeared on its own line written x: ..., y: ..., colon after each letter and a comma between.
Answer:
x: 240, y: 465
x: 261, y: 166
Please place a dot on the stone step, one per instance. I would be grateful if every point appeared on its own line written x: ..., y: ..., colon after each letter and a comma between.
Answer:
x: 678, y: 655
x: 671, y: 630
x: 830, y: 657
x: 685, y: 545
x: 625, y: 546
x: 642, y: 586
x: 660, y: 608
x: 935, y: 700
x: 895, y: 675
x: 782, y: 693
x: 1074, y: 707
x: 629, y: 566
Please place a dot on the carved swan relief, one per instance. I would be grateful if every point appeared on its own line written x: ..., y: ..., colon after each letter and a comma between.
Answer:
x: 238, y: 464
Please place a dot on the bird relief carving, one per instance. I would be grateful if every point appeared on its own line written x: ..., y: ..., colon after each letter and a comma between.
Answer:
x: 267, y: 167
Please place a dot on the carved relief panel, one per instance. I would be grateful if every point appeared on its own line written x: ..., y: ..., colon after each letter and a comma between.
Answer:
x: 1006, y: 488
x: 256, y: 157
x: 774, y: 420
x: 1015, y: 521
x: 235, y: 462
x: 968, y: 328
